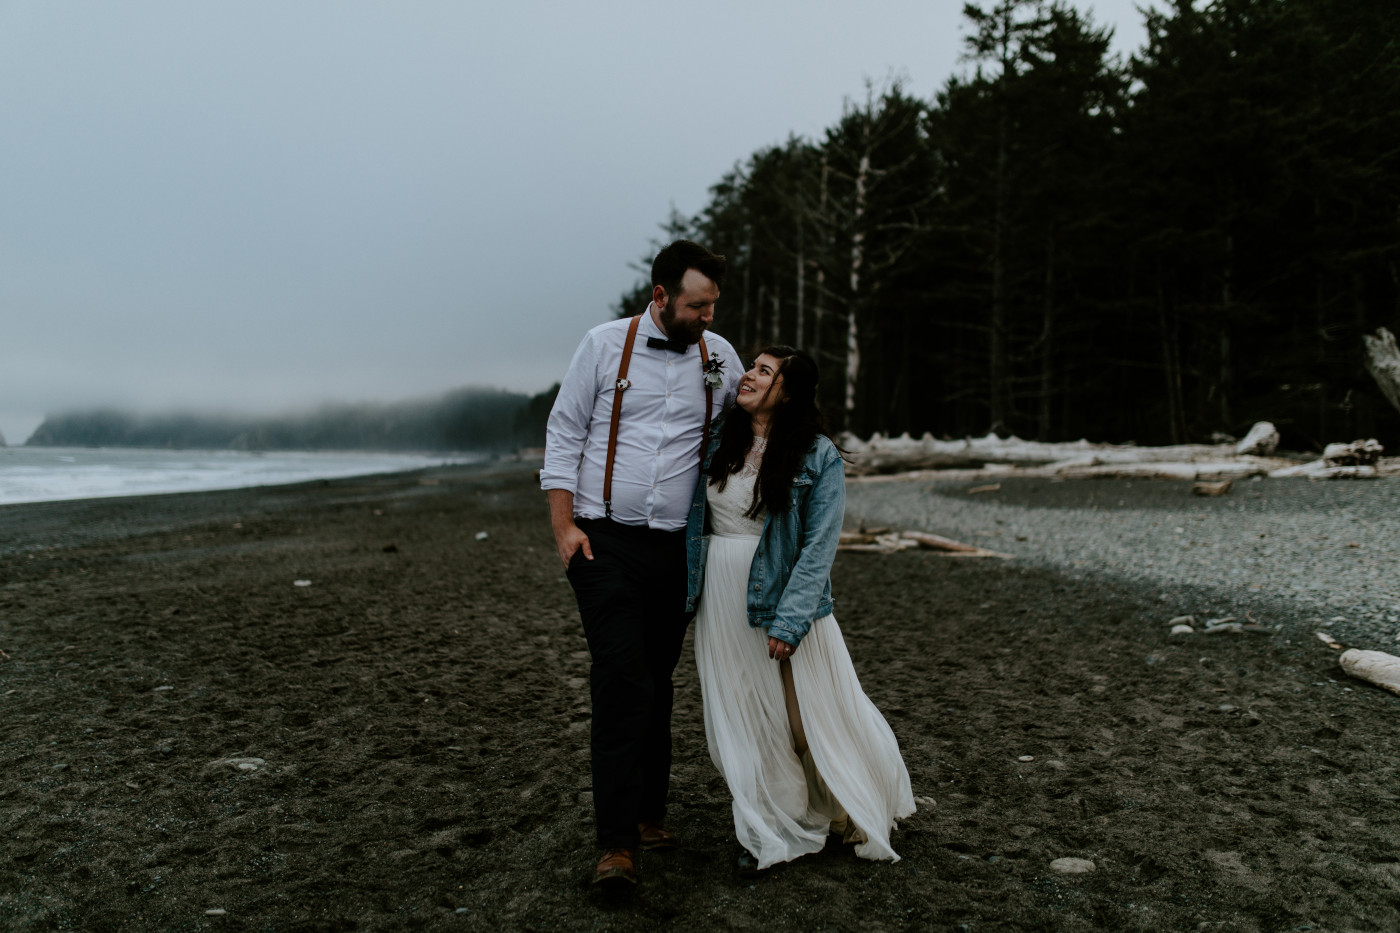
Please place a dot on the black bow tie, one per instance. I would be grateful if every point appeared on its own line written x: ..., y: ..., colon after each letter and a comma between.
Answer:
x: 675, y: 346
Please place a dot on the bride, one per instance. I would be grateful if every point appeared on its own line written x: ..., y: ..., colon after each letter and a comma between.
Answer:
x: 803, y: 749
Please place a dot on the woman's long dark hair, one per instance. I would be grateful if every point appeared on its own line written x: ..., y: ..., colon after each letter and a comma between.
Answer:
x: 792, y: 428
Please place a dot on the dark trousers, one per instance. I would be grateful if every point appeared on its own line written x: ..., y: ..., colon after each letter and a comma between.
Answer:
x: 631, y: 597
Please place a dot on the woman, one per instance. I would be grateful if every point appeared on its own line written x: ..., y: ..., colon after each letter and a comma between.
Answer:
x: 803, y: 749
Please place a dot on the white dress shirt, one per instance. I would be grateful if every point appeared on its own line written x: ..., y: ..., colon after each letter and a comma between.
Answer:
x: 659, y: 434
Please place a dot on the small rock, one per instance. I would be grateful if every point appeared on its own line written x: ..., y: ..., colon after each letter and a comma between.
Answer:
x: 159, y: 689
x: 481, y: 536
x: 235, y: 764
x: 925, y: 801
x: 60, y: 767
x: 1026, y: 758
x: 216, y: 912
x: 301, y: 583
x: 1182, y: 629
x: 1072, y: 866
x: 1211, y: 489
x: 462, y: 910
x: 1183, y: 620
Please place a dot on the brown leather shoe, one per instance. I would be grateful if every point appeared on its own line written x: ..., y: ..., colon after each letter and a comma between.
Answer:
x: 656, y: 837
x: 616, y: 869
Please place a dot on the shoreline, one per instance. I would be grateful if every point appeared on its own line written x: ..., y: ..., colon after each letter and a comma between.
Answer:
x: 57, y: 474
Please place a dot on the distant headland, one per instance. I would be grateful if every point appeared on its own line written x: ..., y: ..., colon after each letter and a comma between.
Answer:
x: 464, y: 419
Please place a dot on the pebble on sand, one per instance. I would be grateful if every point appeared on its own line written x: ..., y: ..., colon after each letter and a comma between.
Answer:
x: 1072, y: 866
x: 1183, y: 620
x: 1182, y: 629
x: 481, y: 536
x: 216, y: 912
x: 301, y: 583
x: 237, y: 764
x: 1026, y: 758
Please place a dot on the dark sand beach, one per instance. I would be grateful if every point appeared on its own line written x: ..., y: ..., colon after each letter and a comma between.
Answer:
x: 420, y: 709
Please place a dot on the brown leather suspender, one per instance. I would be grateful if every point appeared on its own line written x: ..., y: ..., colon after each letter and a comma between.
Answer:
x: 621, y: 386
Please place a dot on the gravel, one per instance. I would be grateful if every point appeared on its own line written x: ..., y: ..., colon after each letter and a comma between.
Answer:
x: 1292, y: 554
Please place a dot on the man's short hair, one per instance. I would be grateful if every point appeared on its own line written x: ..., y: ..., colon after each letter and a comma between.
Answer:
x: 668, y: 268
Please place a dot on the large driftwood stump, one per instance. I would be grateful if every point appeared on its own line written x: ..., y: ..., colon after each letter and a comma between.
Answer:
x: 1383, y: 363
x: 1262, y: 440
x: 1375, y: 667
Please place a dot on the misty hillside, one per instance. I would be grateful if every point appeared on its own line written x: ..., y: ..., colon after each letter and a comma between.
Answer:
x: 466, y: 419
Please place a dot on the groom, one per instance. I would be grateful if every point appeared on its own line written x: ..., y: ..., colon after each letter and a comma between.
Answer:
x: 622, y: 456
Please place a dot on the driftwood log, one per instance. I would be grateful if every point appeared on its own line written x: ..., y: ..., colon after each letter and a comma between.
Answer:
x: 890, y: 542
x: 1383, y: 363
x: 1375, y: 667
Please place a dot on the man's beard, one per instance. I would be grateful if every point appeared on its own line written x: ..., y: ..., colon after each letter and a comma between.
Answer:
x: 690, y: 333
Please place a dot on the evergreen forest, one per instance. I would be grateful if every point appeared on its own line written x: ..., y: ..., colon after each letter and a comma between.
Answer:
x: 1065, y: 244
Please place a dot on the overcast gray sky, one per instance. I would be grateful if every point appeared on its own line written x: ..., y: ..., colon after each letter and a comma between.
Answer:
x: 262, y: 205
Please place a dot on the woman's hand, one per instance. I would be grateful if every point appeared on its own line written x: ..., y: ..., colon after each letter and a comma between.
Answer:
x: 779, y: 650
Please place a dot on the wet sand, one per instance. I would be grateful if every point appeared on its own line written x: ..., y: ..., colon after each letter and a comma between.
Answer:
x: 421, y: 712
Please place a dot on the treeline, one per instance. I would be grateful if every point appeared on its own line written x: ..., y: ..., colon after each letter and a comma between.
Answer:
x: 467, y: 419
x: 1062, y: 244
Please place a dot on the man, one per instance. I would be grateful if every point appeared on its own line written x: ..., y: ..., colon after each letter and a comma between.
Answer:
x: 618, y: 508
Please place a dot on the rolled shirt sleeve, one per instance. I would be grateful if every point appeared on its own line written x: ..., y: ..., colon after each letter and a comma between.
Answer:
x: 567, y: 431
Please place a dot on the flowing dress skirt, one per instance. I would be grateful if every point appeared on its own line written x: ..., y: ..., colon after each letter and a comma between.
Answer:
x: 783, y: 809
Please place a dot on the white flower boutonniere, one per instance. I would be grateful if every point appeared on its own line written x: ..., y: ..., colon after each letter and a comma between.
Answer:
x: 714, y: 371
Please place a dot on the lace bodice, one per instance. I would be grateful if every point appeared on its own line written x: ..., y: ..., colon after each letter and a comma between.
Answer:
x: 727, y: 507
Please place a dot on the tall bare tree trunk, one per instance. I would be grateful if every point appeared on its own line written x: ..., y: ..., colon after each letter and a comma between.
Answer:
x: 1226, y: 298
x: 1047, y: 339
x: 1171, y: 364
x: 857, y: 260
x: 799, y: 335
x: 999, y: 364
x: 744, y: 314
x: 760, y: 307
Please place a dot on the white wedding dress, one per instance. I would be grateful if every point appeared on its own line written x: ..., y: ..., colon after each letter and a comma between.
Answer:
x: 785, y: 805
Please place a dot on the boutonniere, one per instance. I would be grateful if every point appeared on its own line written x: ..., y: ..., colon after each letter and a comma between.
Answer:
x: 714, y: 371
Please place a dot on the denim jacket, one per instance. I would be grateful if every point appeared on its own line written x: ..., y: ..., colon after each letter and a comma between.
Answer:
x: 790, y: 577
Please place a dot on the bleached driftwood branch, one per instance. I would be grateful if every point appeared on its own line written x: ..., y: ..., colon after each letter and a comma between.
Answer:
x: 1383, y: 363
x: 1375, y: 667
x: 991, y: 457
x: 887, y: 542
